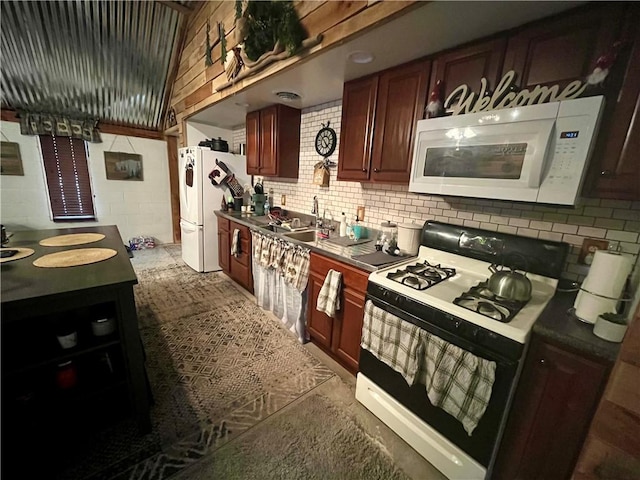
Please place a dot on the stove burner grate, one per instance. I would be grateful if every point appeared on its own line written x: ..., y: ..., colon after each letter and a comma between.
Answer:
x: 421, y: 275
x: 481, y: 300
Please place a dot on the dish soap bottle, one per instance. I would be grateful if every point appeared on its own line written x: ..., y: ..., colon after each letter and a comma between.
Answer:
x: 343, y: 225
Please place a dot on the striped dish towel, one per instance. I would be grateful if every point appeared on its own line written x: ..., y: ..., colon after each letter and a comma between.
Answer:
x: 457, y: 381
x: 235, y: 243
x: 329, y: 296
x: 393, y: 341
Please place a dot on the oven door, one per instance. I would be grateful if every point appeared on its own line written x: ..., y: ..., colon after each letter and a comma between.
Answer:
x: 482, y: 444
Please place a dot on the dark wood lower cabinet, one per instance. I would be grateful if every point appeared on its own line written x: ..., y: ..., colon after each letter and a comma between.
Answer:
x: 237, y: 267
x: 554, y: 404
x: 339, y: 336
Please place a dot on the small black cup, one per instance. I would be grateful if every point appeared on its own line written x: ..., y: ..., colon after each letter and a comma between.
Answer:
x: 237, y: 203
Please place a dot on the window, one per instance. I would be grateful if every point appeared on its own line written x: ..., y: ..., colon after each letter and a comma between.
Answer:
x: 65, y: 165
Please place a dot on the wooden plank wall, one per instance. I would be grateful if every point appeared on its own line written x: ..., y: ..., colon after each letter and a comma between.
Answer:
x: 195, y: 84
x: 612, y: 447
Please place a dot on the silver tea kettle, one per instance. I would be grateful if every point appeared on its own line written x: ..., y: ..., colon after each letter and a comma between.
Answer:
x: 509, y: 284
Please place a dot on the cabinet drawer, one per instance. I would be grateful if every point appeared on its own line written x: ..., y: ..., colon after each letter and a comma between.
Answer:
x: 351, y: 276
x: 223, y: 224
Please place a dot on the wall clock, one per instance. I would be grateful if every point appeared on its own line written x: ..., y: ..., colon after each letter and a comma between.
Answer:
x: 326, y: 141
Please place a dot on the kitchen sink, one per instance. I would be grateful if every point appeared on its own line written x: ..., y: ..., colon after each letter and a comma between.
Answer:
x: 304, y: 236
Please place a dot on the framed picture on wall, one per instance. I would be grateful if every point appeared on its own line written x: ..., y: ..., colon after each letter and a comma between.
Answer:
x: 123, y: 166
x: 10, y: 160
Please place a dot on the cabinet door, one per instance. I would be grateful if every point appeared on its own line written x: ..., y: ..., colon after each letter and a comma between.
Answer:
x: 614, y: 171
x: 240, y: 266
x: 224, y: 247
x: 558, y: 51
x: 268, y: 127
x: 348, y: 331
x: 320, y: 325
x: 253, y: 143
x: 555, y: 401
x: 401, y: 100
x: 356, y: 129
x: 467, y: 65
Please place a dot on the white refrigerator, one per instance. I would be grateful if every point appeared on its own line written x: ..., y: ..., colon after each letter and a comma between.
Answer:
x: 199, y: 198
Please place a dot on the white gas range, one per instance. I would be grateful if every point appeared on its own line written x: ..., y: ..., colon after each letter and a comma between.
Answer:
x: 467, y: 274
x: 441, y: 293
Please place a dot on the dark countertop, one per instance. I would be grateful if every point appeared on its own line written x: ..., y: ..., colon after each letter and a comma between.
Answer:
x: 557, y: 324
x: 22, y: 281
x: 337, y: 252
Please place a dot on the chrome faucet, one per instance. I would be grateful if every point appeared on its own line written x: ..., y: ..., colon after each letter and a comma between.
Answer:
x: 316, y: 212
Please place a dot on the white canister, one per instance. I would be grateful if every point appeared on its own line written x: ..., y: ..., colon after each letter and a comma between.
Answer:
x: 409, y: 238
x: 103, y: 326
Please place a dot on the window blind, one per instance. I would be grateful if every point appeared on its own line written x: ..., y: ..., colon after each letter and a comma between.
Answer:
x: 65, y: 163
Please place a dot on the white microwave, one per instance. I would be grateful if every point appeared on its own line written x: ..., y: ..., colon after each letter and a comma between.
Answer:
x: 535, y: 153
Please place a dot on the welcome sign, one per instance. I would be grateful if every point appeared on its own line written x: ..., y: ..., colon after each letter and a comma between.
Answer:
x: 505, y: 97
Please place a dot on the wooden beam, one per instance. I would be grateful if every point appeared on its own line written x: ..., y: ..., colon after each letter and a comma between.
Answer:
x: 174, y: 63
x: 174, y: 186
x: 178, y: 7
x: 129, y: 131
x: 9, y: 116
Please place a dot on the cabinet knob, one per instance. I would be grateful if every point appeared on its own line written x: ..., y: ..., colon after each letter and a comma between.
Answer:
x: 376, y: 170
x: 606, y: 174
x: 543, y: 361
x: 364, y: 170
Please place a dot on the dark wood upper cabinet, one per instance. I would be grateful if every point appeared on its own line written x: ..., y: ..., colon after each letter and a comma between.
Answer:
x: 356, y: 129
x: 402, y: 93
x: 253, y: 143
x: 273, y: 142
x: 467, y: 65
x: 615, y: 169
x: 379, y: 115
x: 563, y: 49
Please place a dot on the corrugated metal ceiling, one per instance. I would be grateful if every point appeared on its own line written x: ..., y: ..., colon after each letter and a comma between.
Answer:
x: 104, y: 59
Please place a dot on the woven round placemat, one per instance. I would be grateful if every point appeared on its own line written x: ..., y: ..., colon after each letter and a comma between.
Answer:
x: 22, y: 253
x: 71, y: 239
x: 75, y: 257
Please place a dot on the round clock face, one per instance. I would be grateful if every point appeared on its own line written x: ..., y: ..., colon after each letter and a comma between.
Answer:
x: 326, y: 141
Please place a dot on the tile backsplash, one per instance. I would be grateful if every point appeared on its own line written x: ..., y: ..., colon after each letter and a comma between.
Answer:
x: 613, y: 220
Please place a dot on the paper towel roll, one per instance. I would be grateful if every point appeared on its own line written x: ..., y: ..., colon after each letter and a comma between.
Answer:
x: 589, y: 307
x: 607, y: 274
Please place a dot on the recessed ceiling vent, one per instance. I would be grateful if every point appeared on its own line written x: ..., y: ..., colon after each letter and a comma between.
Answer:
x: 288, y: 96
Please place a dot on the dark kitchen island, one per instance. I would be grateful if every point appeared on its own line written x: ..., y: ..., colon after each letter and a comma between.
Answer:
x: 53, y: 397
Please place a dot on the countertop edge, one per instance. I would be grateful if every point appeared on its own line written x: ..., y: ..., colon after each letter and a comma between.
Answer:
x: 341, y: 254
x: 556, y: 323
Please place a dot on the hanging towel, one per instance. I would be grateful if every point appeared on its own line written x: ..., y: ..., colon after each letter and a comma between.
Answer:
x: 235, y: 243
x: 329, y: 296
x: 457, y: 381
x: 393, y: 341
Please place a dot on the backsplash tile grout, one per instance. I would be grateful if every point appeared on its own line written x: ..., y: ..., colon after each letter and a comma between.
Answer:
x: 617, y: 221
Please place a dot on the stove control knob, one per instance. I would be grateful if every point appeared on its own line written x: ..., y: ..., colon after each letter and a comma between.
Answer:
x: 457, y: 323
x: 398, y: 299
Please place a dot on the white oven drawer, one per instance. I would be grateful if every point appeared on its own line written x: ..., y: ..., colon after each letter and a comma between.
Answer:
x: 440, y: 452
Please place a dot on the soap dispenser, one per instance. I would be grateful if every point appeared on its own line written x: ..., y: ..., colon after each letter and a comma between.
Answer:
x: 343, y: 225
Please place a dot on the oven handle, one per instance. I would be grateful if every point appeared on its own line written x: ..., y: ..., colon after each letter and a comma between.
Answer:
x: 443, y: 334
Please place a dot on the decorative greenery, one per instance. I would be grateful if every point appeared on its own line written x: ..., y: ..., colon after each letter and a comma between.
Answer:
x: 616, y: 318
x: 208, y: 59
x: 223, y: 43
x: 268, y: 23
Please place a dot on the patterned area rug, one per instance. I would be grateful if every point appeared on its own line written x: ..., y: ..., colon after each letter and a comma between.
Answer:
x: 315, y: 438
x: 217, y: 365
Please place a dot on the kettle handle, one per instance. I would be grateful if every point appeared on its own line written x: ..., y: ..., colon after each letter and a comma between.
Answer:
x: 522, y: 257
